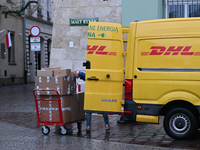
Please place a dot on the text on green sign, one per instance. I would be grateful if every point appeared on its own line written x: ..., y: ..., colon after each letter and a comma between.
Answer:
x: 104, y: 28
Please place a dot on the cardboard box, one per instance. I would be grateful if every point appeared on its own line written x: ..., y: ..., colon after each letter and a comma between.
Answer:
x: 72, y: 108
x: 64, y: 85
x: 81, y: 106
x: 49, y: 109
x: 50, y: 68
x: 45, y: 73
x: 43, y: 83
x: 40, y: 82
x: 53, y: 116
x: 65, y: 101
x: 78, y: 109
x: 62, y: 72
x: 73, y: 85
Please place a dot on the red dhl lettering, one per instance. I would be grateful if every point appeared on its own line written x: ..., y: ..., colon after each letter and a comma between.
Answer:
x: 99, y: 50
x: 172, y: 50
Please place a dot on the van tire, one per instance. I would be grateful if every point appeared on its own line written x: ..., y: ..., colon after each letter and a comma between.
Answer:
x: 180, y: 123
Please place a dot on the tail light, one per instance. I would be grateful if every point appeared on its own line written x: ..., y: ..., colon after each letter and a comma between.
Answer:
x: 128, y: 89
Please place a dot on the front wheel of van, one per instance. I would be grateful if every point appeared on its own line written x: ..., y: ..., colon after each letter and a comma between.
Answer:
x: 180, y: 123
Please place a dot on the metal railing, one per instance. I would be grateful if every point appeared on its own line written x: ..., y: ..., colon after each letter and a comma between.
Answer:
x: 182, y: 8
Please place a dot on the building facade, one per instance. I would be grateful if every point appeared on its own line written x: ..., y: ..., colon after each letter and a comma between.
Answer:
x: 20, y: 62
x: 134, y: 10
x: 11, y: 60
x: 39, y: 57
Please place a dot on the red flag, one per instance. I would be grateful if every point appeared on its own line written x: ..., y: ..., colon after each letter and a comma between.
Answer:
x: 8, y: 40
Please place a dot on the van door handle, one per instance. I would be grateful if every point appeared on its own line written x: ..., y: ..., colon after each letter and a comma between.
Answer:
x: 87, y: 64
x: 96, y: 79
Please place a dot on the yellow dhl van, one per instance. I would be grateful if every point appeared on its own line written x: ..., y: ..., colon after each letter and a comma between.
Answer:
x: 161, y: 74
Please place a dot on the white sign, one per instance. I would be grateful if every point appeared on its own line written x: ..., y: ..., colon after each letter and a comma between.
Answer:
x: 35, y: 31
x: 34, y: 39
x: 71, y: 44
x: 35, y: 46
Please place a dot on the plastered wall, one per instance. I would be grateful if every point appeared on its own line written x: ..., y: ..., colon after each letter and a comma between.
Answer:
x: 73, y: 57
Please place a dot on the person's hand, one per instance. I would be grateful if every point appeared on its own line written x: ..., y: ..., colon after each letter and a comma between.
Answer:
x: 75, y: 74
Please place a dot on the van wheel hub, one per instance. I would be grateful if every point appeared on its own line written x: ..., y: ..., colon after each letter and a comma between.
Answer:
x: 180, y: 123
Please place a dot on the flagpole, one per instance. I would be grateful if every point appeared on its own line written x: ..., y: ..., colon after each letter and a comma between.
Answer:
x: 24, y: 33
x: 2, y: 31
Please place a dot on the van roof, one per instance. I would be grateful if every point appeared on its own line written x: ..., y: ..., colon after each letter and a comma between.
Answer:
x: 175, y: 27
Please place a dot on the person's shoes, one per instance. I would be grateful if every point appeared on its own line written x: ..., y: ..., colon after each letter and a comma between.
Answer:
x: 88, y: 129
x: 107, y: 126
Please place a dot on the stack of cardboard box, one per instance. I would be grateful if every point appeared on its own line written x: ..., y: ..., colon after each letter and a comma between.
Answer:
x: 65, y: 84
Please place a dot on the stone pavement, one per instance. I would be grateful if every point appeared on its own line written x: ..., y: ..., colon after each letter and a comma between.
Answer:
x: 19, y: 129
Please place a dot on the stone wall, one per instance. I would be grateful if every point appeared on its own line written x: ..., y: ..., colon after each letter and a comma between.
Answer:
x: 73, y: 57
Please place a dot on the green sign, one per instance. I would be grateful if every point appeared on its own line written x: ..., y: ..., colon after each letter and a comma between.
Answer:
x: 82, y: 22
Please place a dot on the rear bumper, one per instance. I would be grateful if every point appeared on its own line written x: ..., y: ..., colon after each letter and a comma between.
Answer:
x: 107, y: 112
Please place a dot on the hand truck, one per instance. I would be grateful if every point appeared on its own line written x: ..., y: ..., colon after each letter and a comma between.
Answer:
x: 45, y: 123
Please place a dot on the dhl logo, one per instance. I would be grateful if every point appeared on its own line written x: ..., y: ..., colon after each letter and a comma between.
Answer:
x: 99, y: 50
x: 172, y: 50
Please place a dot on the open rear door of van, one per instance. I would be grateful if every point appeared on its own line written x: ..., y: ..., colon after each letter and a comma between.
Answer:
x: 104, y: 68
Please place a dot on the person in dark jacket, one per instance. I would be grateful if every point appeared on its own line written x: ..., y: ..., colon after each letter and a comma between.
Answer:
x: 81, y: 75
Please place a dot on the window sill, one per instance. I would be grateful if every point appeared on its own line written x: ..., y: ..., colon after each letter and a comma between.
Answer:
x: 48, y: 19
x: 39, y: 16
x: 12, y: 63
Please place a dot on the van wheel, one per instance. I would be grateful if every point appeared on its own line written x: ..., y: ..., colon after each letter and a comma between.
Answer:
x: 180, y: 123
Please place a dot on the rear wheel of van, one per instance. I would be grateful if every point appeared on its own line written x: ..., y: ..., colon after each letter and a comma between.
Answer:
x: 180, y: 123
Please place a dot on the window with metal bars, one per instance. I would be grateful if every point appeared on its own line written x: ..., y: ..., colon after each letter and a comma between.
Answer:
x: 182, y: 8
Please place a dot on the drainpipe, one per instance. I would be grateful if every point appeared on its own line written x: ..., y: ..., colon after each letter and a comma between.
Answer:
x: 24, y: 45
x: 166, y: 11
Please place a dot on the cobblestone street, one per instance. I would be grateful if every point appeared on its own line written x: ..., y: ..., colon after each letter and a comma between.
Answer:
x: 19, y: 129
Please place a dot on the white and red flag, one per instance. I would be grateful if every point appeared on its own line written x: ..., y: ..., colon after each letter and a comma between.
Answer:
x: 8, y: 40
